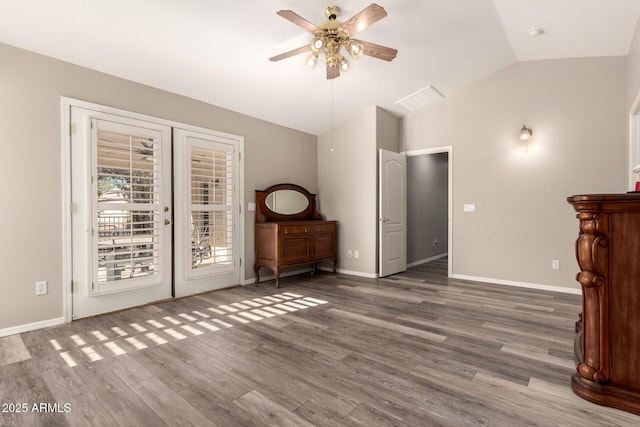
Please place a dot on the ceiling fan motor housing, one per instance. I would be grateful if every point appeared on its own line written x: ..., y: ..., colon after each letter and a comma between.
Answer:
x: 331, y: 12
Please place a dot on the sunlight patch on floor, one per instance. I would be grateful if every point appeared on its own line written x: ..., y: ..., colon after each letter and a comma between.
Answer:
x: 141, y: 338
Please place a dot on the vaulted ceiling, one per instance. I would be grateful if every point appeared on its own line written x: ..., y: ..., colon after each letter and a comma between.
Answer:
x: 218, y: 52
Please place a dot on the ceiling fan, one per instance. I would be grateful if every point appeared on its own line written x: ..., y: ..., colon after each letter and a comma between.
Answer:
x: 331, y: 36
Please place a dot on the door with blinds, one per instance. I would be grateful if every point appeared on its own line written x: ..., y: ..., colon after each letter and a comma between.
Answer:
x: 121, y: 212
x: 207, y: 211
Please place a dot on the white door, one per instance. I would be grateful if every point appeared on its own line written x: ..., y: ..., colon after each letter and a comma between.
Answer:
x: 393, y: 213
x: 121, y: 199
x: 207, y: 211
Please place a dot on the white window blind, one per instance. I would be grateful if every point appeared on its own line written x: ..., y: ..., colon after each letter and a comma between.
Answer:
x: 210, y: 206
x: 128, y: 217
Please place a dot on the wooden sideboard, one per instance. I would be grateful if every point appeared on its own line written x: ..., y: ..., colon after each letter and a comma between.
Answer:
x: 608, y: 253
x: 288, y: 239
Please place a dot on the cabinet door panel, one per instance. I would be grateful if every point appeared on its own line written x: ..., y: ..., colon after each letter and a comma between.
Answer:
x: 295, y: 249
x: 324, y: 245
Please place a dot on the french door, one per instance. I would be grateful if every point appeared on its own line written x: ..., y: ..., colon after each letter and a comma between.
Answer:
x: 207, y: 211
x: 121, y: 195
x: 122, y: 223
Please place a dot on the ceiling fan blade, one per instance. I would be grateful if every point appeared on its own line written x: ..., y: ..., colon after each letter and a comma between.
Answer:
x: 299, y: 20
x: 332, y: 72
x: 377, y: 51
x: 290, y: 53
x: 368, y: 16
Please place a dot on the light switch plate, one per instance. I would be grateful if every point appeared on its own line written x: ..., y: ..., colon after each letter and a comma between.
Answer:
x: 469, y: 207
x: 251, y: 207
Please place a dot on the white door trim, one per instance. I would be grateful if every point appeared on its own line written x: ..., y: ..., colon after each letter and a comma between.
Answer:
x: 633, y: 145
x: 65, y: 107
x: 449, y: 150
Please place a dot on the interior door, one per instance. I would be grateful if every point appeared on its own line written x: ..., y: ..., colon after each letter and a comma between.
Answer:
x: 121, y: 199
x: 393, y: 213
x: 207, y: 232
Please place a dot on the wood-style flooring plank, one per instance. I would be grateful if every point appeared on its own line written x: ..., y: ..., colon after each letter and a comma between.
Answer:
x: 168, y: 405
x: 268, y: 412
x: 12, y: 350
x: 68, y: 387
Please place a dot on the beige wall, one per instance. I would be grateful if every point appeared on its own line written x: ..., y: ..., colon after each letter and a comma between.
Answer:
x: 30, y: 168
x: 387, y: 131
x: 576, y: 108
x: 347, y: 188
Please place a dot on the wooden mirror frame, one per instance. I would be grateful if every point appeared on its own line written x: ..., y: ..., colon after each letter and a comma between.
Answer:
x: 264, y: 214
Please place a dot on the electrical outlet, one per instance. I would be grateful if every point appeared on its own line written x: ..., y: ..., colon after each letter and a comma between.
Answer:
x: 41, y: 288
x: 356, y: 253
x: 435, y: 242
x: 349, y: 253
x: 555, y: 264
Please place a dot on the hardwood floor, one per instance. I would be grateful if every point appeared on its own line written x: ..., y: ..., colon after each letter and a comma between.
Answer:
x: 415, y: 349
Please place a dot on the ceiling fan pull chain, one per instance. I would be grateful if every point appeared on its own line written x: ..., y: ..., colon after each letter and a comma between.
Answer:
x: 332, y: 117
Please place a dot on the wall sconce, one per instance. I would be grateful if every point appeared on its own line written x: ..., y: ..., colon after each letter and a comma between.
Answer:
x: 525, y: 133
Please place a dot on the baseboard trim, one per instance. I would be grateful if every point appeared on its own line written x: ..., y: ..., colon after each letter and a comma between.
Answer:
x: 308, y: 270
x: 31, y: 326
x: 519, y: 284
x: 424, y: 261
x: 352, y: 273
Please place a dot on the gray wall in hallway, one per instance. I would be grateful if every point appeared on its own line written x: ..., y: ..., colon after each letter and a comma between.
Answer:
x: 427, y: 184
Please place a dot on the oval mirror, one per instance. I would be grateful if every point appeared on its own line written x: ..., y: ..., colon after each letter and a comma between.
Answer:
x: 286, y: 202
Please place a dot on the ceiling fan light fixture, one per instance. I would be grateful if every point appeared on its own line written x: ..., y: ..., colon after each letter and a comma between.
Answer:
x: 355, y: 49
x: 344, y: 65
x: 318, y: 43
x: 312, y: 60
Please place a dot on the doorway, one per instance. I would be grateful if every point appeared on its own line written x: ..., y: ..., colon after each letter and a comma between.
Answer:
x: 429, y: 206
x: 138, y: 184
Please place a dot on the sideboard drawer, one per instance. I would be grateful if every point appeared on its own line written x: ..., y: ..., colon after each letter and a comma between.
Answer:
x: 295, y: 229
x: 323, y: 228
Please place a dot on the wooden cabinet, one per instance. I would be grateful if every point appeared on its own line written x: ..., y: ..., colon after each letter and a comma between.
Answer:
x: 608, y: 253
x: 286, y: 237
x: 283, y: 244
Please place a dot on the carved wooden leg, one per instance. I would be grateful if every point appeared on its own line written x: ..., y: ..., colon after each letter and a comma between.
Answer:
x: 276, y: 272
x: 256, y: 269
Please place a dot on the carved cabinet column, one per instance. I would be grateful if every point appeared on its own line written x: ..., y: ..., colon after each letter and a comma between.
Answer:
x: 608, y: 254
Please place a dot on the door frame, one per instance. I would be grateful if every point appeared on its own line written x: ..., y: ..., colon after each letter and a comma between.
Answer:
x: 67, y: 247
x: 449, y: 150
x: 633, y: 144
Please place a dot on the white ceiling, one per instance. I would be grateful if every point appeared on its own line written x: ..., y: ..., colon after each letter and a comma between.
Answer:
x: 218, y: 52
